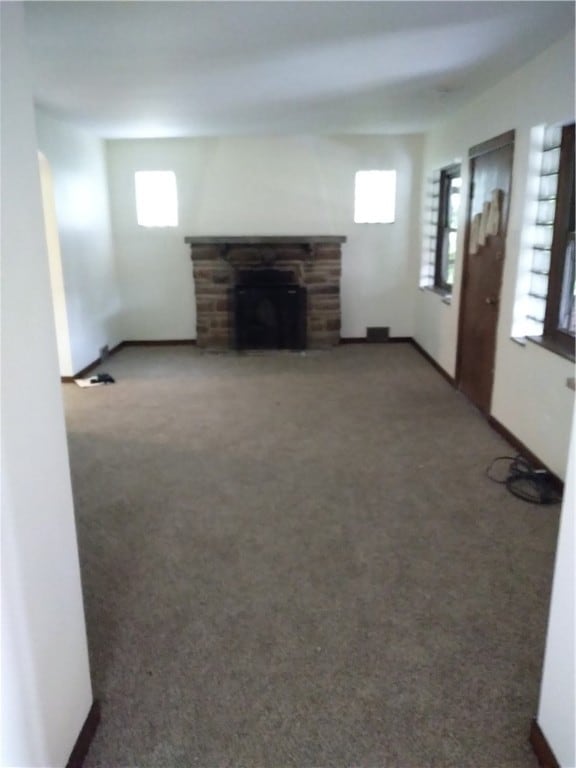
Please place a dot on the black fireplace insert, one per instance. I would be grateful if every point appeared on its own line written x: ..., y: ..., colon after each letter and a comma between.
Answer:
x: 270, y: 310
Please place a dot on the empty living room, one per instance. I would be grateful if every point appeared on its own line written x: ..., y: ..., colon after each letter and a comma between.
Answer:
x: 288, y: 325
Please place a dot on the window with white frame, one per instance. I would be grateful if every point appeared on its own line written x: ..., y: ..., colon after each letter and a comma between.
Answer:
x: 375, y: 197
x: 560, y: 317
x: 156, y: 198
x: 429, y: 235
x: 447, y: 231
x: 550, y: 302
x: 441, y: 229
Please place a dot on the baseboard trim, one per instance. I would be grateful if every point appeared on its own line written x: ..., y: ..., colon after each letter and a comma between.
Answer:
x: 121, y: 345
x: 494, y: 423
x: 160, y: 343
x: 83, y: 372
x: 364, y: 340
x: 433, y: 362
x: 557, y: 483
x: 115, y: 349
x: 546, y: 758
x: 537, y: 463
x: 85, y: 737
x: 90, y: 367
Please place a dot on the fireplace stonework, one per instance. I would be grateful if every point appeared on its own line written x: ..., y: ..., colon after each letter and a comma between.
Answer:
x: 315, y: 263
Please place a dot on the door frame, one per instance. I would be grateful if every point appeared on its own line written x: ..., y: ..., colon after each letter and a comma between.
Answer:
x: 498, y: 142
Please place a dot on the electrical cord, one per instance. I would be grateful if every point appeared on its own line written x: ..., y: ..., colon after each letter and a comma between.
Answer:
x: 536, y: 486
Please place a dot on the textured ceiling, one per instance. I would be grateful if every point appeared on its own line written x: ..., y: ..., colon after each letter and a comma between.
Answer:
x: 147, y: 69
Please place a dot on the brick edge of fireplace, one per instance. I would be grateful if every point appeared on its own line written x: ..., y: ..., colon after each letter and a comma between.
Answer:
x: 315, y: 261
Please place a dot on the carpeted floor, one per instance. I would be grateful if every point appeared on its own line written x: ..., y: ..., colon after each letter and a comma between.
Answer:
x: 297, y: 560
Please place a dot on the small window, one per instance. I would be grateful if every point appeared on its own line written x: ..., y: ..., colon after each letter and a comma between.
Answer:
x: 156, y: 199
x: 447, y: 232
x: 560, y: 317
x: 539, y: 234
x: 430, y: 230
x: 375, y: 197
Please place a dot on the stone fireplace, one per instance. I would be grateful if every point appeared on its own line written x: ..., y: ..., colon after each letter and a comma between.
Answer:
x: 267, y: 292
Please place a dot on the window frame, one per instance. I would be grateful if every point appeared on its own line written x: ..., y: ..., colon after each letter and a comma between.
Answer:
x: 443, y: 226
x: 563, y: 221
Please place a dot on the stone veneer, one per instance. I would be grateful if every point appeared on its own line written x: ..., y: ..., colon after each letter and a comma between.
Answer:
x: 314, y: 261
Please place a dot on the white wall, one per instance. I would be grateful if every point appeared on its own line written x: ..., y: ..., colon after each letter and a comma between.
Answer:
x: 45, y: 688
x: 530, y: 396
x: 56, y: 271
x: 557, y: 709
x: 78, y: 165
x: 259, y: 186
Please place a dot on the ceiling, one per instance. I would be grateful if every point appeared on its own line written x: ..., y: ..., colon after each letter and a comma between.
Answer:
x: 151, y: 69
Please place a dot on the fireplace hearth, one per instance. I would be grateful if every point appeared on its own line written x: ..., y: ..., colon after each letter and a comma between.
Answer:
x: 267, y: 292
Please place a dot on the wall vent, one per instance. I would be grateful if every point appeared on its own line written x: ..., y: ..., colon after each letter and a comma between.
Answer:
x: 377, y: 335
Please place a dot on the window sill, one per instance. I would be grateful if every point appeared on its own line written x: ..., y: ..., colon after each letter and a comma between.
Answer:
x: 520, y: 340
x: 551, y: 346
x: 445, y: 295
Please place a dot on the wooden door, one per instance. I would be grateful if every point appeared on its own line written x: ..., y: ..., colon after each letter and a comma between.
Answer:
x: 488, y: 205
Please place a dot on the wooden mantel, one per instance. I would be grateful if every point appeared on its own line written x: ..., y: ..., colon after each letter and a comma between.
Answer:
x: 267, y: 245
x: 267, y: 240
x: 314, y: 261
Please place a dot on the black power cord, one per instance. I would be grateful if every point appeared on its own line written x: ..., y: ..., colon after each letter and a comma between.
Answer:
x: 524, y: 481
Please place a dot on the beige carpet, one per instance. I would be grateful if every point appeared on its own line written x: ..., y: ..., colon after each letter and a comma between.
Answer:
x: 297, y: 560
